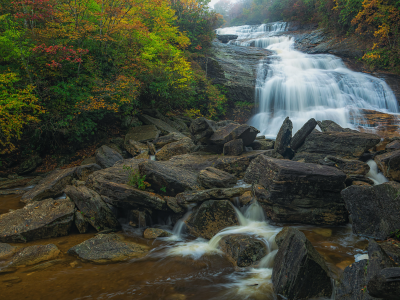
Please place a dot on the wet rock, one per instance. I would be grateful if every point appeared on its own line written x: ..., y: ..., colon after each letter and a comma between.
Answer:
x: 6, y: 251
x: 167, y: 139
x: 153, y: 233
x: 284, y: 137
x: 344, y: 144
x: 246, y: 198
x: 142, y: 134
x: 50, y: 186
x: 29, y: 165
x: 234, y: 148
x: 393, y: 146
x: 202, y: 129
x: 152, y: 148
x: 81, y: 223
x: 82, y: 172
x: 355, y: 278
x: 392, y: 249
x: 389, y: 164
x: 375, y: 210
x: 164, y: 127
x: 301, y: 135
x: 299, y: 192
x: 138, y: 218
x: 211, y: 217
x: 182, y: 146
x: 262, y: 144
x: 45, y: 265
x: 107, y: 248
x: 386, y: 284
x: 328, y: 125
x: 172, y: 203
x: 174, y: 179
x: 135, y: 148
x: 348, y: 166
x: 144, y: 155
x: 234, y: 131
x: 299, y: 271
x: 14, y: 183
x: 39, y: 220
x: 31, y: 255
x: 214, y: 178
x: 243, y: 250
x: 92, y: 207
x: 190, y: 197
x: 225, y: 38
x: 107, y: 157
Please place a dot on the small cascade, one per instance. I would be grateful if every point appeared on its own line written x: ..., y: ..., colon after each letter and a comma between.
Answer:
x: 374, y: 174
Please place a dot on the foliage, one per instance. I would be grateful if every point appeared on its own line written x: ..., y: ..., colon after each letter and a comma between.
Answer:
x: 135, y: 179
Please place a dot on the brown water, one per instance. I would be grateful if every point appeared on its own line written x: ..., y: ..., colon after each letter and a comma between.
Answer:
x: 157, y: 275
x: 8, y: 202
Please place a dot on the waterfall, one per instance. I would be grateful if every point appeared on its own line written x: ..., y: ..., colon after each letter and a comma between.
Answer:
x: 374, y: 173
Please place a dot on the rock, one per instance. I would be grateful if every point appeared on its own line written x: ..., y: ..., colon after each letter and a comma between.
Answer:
x: 88, y: 161
x: 328, y: 125
x: 39, y: 220
x: 386, y: 284
x: 82, y: 172
x: 389, y: 164
x: 130, y: 121
x: 243, y: 250
x: 234, y: 147
x: 137, y: 218
x: 142, y: 134
x: 344, y: 144
x: 348, y: 166
x: 214, y: 178
x: 6, y: 251
x: 305, y: 157
x: 29, y: 165
x: 393, y: 146
x: 190, y: 197
x: 144, y: 155
x: 284, y: 137
x: 202, y: 129
x: 31, y: 255
x: 375, y: 210
x: 135, y: 148
x: 92, y: 207
x: 167, y: 139
x: 107, y: 157
x: 234, y: 131
x: 355, y: 278
x: 152, y: 148
x: 164, y: 127
x: 182, y: 146
x: 301, y: 135
x: 299, y: 271
x: 153, y: 233
x: 299, y: 192
x: 262, y: 144
x: 172, y: 203
x: 14, y: 183
x: 50, y: 186
x: 211, y: 217
x: 174, y: 179
x: 245, y: 198
x: 107, y: 248
x: 392, y: 249
x: 225, y: 38
x: 45, y: 265
x: 81, y: 223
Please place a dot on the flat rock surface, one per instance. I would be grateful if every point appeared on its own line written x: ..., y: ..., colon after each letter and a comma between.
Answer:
x: 34, y: 254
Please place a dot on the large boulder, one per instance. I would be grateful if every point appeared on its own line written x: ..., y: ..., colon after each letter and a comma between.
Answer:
x: 214, y: 178
x: 386, y: 284
x: 225, y: 38
x: 39, y: 220
x: 180, y: 147
x: 211, y: 217
x: 161, y: 125
x: 234, y: 131
x: 167, y: 139
x: 328, y: 125
x: 301, y: 135
x: 243, y: 250
x: 107, y: 248
x: 153, y: 233
x: 136, y: 148
x: 344, y: 144
x: 393, y: 146
x: 93, y: 208
x: 106, y: 157
x: 353, y: 283
x: 50, y: 186
x: 142, y: 134
x: 375, y: 210
x: 299, y: 192
x: 299, y: 271
x: 348, y: 166
x: 174, y: 179
x: 32, y: 255
x: 82, y: 172
x: 234, y: 147
x: 262, y: 144
x: 202, y: 129
x: 284, y: 137
x: 389, y: 164
x: 81, y: 222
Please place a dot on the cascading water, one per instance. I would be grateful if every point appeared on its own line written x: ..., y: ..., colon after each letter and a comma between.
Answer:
x: 304, y: 86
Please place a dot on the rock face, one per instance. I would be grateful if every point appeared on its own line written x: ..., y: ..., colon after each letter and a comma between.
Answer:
x: 225, y: 38
x: 299, y: 271
x: 211, y: 217
x: 174, y: 179
x: 243, y: 250
x: 386, y: 284
x: 375, y: 210
x: 234, y: 147
x: 202, y: 129
x: 153, y: 233
x: 234, y: 131
x: 301, y: 135
x: 50, y: 186
x: 81, y: 223
x: 214, y: 178
x: 39, y: 220
x: 284, y: 137
x: 143, y: 134
x: 106, y: 157
x: 182, y: 146
x: 355, y: 278
x: 34, y: 254
x: 389, y: 164
x: 167, y: 139
x: 92, y: 207
x: 107, y: 248
x: 344, y: 144
x: 299, y: 192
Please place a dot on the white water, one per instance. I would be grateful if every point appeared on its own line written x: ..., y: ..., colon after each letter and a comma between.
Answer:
x: 303, y: 86
x: 374, y: 174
